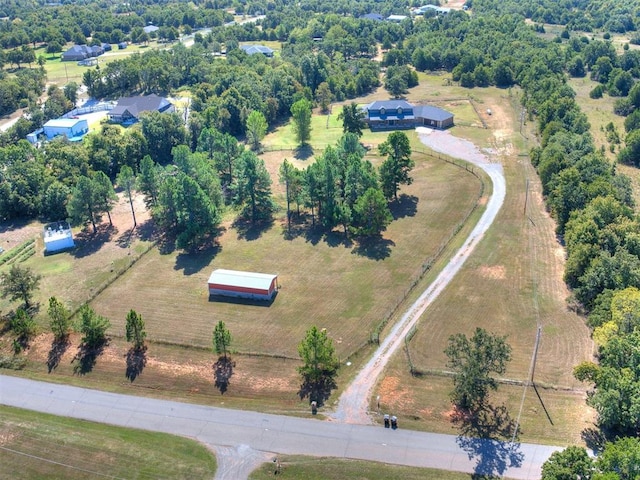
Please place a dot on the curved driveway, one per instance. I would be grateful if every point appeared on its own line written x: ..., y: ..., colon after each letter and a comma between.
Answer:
x: 354, y: 402
x: 248, y: 432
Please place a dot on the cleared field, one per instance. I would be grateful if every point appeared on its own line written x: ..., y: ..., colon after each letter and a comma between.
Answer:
x: 325, y: 280
x: 600, y: 113
x: 310, y: 468
x: 61, y: 73
x: 36, y: 445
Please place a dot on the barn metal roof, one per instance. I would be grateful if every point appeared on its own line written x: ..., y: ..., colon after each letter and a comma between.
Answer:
x: 235, y: 278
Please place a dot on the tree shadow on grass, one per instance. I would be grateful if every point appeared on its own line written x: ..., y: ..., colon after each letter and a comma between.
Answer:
x: 483, y: 435
x: 251, y: 231
x: 335, y: 239
x: 303, y: 152
x: 318, y: 392
x: 136, y: 361
x: 222, y: 372
x: 88, y: 243
x: 57, y: 351
x: 194, y: 262
x: 86, y: 357
x: 144, y: 231
x: 375, y: 248
x: 405, y: 206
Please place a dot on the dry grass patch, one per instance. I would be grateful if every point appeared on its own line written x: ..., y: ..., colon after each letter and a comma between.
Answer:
x: 511, y: 284
x: 325, y: 280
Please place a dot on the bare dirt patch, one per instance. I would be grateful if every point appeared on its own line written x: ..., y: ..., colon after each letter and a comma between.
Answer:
x: 495, y: 272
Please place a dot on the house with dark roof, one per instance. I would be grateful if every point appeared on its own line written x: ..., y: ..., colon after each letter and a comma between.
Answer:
x: 80, y: 52
x: 397, y: 114
x: 129, y: 109
x: 253, y: 49
x: 373, y: 16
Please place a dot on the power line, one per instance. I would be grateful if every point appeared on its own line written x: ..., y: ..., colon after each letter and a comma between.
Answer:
x: 59, y: 463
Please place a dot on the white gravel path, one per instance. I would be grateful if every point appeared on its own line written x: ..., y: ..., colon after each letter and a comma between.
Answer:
x: 353, y: 405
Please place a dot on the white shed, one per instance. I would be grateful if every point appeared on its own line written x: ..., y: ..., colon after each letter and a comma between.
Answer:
x: 72, y: 128
x: 57, y: 237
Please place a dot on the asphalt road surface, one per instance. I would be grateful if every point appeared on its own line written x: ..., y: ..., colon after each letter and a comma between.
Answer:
x: 258, y: 436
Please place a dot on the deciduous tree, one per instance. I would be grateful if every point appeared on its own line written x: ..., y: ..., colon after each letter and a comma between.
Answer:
x: 301, y: 117
x: 20, y: 283
x: 256, y: 129
x: 474, y: 360
x: 395, y: 170
x: 568, y: 464
x: 352, y: 118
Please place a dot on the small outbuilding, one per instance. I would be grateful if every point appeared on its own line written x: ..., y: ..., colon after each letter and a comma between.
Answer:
x: 233, y: 283
x: 72, y: 128
x: 57, y: 237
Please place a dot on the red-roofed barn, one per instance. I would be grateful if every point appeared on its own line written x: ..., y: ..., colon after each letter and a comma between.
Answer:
x: 232, y: 283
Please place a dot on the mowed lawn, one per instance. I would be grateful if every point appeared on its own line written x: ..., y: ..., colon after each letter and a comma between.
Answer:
x: 37, y: 446
x: 312, y: 468
x: 325, y: 280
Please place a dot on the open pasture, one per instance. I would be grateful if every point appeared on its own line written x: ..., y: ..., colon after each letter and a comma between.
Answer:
x: 325, y: 280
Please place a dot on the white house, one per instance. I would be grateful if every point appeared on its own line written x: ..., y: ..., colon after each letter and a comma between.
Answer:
x: 72, y: 128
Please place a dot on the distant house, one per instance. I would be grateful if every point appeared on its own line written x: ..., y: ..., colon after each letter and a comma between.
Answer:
x: 57, y: 237
x: 151, y: 28
x: 122, y: 45
x: 106, y: 47
x: 253, y: 49
x: 431, y: 8
x: 81, y: 52
x: 72, y: 128
x: 396, y: 18
x: 373, y: 16
x: 129, y: 109
x: 233, y: 283
x: 397, y: 114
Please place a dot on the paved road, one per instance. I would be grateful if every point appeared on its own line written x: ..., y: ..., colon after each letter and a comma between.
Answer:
x: 354, y: 402
x: 253, y: 434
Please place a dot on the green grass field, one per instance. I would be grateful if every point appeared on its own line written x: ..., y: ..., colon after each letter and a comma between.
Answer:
x: 61, y: 73
x: 340, y: 285
x: 310, y: 468
x: 36, y: 446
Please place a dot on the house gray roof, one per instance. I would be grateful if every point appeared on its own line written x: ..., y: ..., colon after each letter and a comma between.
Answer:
x: 389, y: 105
x: 150, y: 28
x: 136, y: 105
x: 432, y: 113
x: 251, y: 49
x: 373, y: 16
